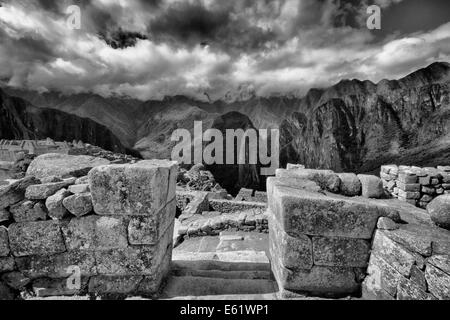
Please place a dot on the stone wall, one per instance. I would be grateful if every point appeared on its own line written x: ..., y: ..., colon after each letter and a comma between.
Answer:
x: 409, y: 261
x: 417, y: 186
x: 319, y: 240
x: 113, y: 228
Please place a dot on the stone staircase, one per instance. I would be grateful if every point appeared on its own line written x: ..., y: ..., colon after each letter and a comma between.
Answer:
x: 209, y: 268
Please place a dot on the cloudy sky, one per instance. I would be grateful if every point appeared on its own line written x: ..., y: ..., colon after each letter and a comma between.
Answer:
x: 148, y: 49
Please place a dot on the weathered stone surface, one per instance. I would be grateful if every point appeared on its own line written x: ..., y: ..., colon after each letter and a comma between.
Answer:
x: 79, y: 204
x: 95, y: 233
x: 139, y: 189
x: 350, y: 184
x: 6, y: 264
x: 5, y: 292
x: 35, y: 238
x: 334, y: 281
x: 414, y: 238
x: 152, y: 284
x: 439, y: 210
x: 407, y: 177
x: 148, y: 230
x: 408, y: 195
x: 438, y: 282
x: 408, y: 290
x: 15, y: 280
x: 28, y: 211
x: 62, y: 165
x: 393, y: 253
x: 4, y: 242
x: 54, y: 204
x: 409, y: 187
x: 292, y: 252
x: 335, y: 252
x: 104, y: 285
x: 371, y: 186
x: 316, y: 214
x: 15, y: 192
x: 291, y: 166
x: 51, y: 179
x: 326, y: 179
x: 418, y: 278
x: 50, y: 287
x: 4, y: 215
x: 227, y: 206
x: 381, y: 277
x: 139, y: 260
x: 441, y: 262
x: 386, y: 224
x: 79, y: 188
x: 82, y: 180
x: 43, y: 191
x: 58, y: 265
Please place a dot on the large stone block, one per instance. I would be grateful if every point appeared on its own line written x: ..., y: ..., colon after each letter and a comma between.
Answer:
x: 62, y: 165
x: 139, y: 189
x: 408, y: 290
x: 58, y: 265
x: 350, y: 184
x: 394, y: 254
x: 330, y: 281
x: 43, y: 191
x: 338, y: 252
x: 36, y: 238
x: 134, y: 260
x: 381, y: 278
x: 316, y: 214
x: 15, y: 192
x: 371, y: 186
x: 291, y: 252
x: 4, y: 242
x: 148, y: 230
x: 441, y: 262
x: 439, y: 210
x: 438, y: 282
x: 114, y: 285
x: 7, y: 264
x: 96, y: 233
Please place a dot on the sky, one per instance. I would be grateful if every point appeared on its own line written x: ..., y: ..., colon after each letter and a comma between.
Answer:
x: 149, y: 49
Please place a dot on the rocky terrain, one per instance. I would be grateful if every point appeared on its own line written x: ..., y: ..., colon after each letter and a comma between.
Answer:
x: 351, y: 126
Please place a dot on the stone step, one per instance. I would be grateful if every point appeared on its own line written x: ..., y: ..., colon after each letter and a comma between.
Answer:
x: 218, y: 274
x: 188, y: 286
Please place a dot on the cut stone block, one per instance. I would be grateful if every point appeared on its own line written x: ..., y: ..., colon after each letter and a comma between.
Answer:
x: 335, y: 252
x: 438, y: 282
x: 381, y: 277
x: 408, y: 195
x: 441, y: 262
x: 62, y: 165
x: 138, y: 189
x: 291, y: 252
x: 58, y: 265
x: 106, y: 285
x: 386, y: 224
x: 412, y: 187
x: 148, y: 230
x: 372, y: 187
x: 302, y: 212
x: 408, y: 290
x: 350, y: 184
x: 79, y: 188
x: 7, y: 264
x: 4, y: 242
x: 405, y: 177
x: 79, y: 204
x: 54, y: 204
x: 96, y: 233
x: 36, y: 238
x: 326, y: 179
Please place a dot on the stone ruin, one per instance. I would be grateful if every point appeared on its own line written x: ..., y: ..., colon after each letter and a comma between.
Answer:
x: 119, y: 225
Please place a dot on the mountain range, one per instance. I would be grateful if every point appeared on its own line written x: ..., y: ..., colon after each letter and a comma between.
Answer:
x: 353, y: 126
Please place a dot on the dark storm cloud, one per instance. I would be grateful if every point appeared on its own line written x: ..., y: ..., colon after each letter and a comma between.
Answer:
x: 149, y: 49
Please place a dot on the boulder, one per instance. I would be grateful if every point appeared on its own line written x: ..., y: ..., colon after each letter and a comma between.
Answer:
x: 54, y: 204
x: 79, y: 204
x: 350, y: 184
x: 439, y: 210
x: 372, y: 186
x: 62, y: 165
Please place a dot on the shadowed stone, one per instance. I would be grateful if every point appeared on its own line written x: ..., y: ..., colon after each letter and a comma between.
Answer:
x: 54, y: 204
x: 28, y: 211
x: 350, y: 184
x: 62, y: 165
x: 371, y: 186
x: 15, y: 192
x: 6, y: 264
x: 43, y: 191
x: 15, y: 280
x: 4, y: 242
x: 138, y: 189
x: 48, y: 287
